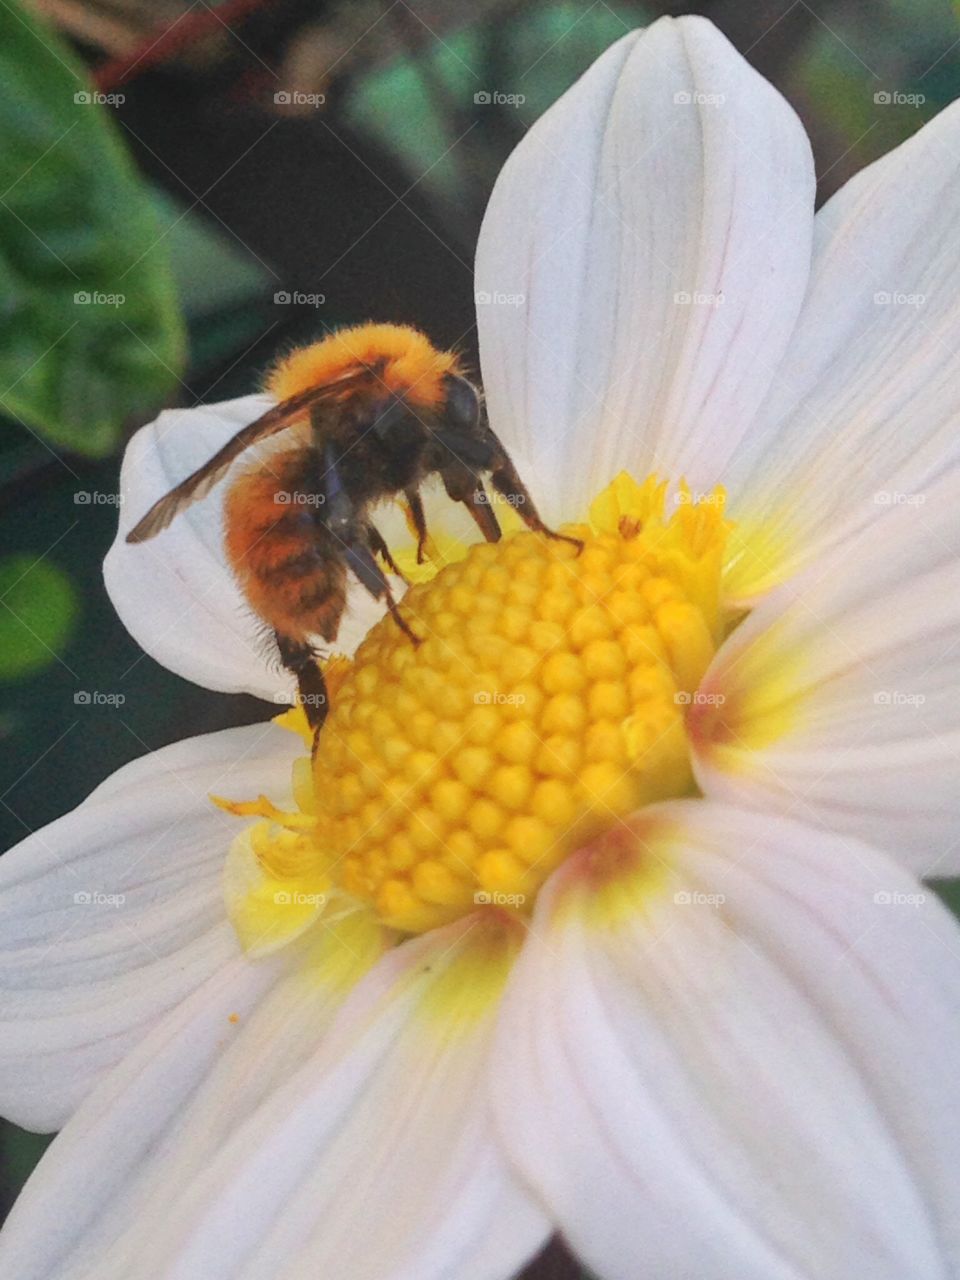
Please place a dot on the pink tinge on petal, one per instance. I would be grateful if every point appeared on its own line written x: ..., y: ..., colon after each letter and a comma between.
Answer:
x: 730, y: 1047
x: 835, y: 700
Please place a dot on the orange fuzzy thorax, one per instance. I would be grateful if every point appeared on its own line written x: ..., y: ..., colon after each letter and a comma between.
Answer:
x: 406, y: 361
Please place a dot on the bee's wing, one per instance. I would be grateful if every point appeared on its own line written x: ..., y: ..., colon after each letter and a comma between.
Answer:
x: 199, y: 484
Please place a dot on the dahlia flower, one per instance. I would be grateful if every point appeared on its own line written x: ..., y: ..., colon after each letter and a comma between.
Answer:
x: 601, y: 910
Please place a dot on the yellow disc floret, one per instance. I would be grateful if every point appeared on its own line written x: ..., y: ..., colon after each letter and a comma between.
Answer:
x: 546, y: 701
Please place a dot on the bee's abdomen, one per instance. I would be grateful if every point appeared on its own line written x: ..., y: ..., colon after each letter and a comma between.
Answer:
x: 286, y: 563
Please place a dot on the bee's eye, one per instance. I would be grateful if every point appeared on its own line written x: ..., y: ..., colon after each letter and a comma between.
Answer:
x: 463, y: 403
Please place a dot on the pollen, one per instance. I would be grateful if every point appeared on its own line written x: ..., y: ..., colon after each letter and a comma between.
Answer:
x: 546, y: 702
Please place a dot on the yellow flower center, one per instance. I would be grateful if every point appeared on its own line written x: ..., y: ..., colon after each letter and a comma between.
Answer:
x: 547, y: 700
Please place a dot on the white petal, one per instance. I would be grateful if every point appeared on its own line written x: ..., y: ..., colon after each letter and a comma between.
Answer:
x: 670, y: 170
x: 837, y: 698
x: 175, y: 594
x: 731, y: 1049
x: 864, y: 409
x: 371, y: 1156
x: 113, y: 914
x: 196, y: 1074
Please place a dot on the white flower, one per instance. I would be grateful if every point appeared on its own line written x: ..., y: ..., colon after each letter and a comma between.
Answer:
x: 726, y: 1041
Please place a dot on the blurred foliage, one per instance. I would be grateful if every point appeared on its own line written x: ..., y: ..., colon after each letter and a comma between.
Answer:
x: 38, y: 611
x: 422, y: 106
x: 211, y: 271
x: 859, y: 83
x: 91, y: 330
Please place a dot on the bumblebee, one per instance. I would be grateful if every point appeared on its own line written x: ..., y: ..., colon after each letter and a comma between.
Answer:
x: 372, y: 412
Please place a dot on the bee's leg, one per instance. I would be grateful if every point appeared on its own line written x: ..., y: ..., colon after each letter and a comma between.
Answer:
x: 380, y: 548
x: 478, y: 504
x: 507, y: 482
x: 399, y: 620
x: 484, y: 452
x: 360, y: 559
x: 415, y: 504
x: 311, y: 686
x: 464, y: 485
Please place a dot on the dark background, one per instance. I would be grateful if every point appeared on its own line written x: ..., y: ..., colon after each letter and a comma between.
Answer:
x: 372, y: 199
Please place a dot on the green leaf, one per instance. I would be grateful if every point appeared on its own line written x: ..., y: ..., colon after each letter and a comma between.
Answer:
x: 37, y: 609
x: 212, y: 271
x: 75, y: 224
x: 20, y: 1151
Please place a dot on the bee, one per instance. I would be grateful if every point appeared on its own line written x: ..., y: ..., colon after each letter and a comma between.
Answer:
x: 372, y: 412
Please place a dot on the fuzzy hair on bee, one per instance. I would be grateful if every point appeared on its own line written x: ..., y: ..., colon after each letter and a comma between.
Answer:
x: 371, y: 413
